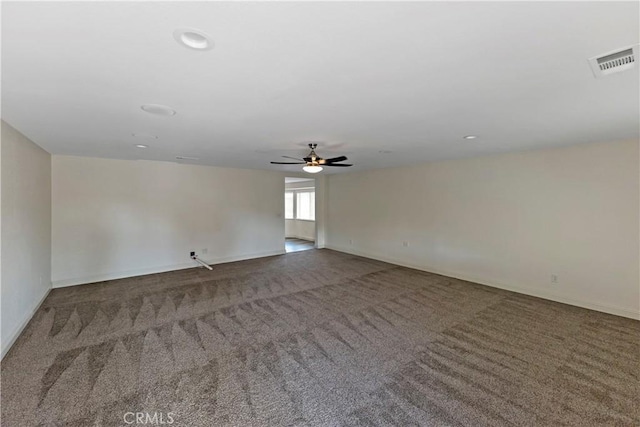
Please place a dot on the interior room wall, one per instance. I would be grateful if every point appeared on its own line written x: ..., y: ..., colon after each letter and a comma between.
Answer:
x: 120, y: 218
x: 296, y: 228
x: 561, y: 224
x: 321, y: 211
x: 300, y: 229
x: 26, y: 231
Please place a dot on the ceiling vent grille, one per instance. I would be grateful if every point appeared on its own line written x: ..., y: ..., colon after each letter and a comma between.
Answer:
x: 614, y: 62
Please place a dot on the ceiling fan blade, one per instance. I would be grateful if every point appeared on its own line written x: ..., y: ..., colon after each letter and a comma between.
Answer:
x: 288, y: 163
x: 338, y: 164
x: 294, y: 158
x: 335, y: 159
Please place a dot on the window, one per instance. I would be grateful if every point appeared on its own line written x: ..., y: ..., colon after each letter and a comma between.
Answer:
x: 306, y: 205
x: 300, y: 204
x: 288, y: 205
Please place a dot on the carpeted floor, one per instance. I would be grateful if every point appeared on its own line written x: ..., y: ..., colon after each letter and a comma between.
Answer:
x: 318, y: 338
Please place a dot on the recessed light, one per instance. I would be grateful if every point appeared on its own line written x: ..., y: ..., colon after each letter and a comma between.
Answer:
x: 141, y: 146
x: 144, y: 135
x: 186, y: 158
x: 193, y: 39
x: 470, y: 137
x: 160, y: 110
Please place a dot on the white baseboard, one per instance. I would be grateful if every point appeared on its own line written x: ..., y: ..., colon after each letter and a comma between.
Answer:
x: 7, y: 344
x: 618, y: 311
x: 160, y: 269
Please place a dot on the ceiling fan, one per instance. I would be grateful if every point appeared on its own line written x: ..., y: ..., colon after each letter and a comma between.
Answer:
x: 313, y: 163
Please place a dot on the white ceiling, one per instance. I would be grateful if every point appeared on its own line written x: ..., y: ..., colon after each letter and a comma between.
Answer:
x: 359, y: 78
x: 290, y: 180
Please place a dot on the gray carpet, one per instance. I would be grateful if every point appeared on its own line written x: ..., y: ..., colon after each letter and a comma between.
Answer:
x: 318, y: 338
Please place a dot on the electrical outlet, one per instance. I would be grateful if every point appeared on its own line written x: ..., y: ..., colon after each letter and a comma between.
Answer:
x: 192, y: 254
x: 405, y: 244
x: 554, y: 279
x: 205, y: 251
x: 351, y: 241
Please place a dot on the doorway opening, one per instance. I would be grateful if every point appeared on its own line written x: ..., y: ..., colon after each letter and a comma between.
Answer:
x: 299, y: 214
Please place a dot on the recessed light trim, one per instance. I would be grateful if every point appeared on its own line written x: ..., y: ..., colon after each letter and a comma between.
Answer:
x: 470, y: 137
x: 141, y: 146
x: 159, y: 110
x: 193, y: 39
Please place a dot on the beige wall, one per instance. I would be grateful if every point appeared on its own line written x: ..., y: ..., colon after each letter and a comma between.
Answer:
x: 119, y: 218
x: 26, y: 231
x: 300, y: 229
x: 510, y: 221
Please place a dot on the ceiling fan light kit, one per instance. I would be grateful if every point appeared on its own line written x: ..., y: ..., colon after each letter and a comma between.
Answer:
x: 312, y: 169
x: 313, y: 163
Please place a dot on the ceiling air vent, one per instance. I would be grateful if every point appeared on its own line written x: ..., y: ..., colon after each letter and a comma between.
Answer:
x: 614, y: 62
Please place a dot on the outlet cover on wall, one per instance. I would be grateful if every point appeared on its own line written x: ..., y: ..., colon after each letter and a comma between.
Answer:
x: 405, y: 244
x: 554, y: 279
x: 351, y: 241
